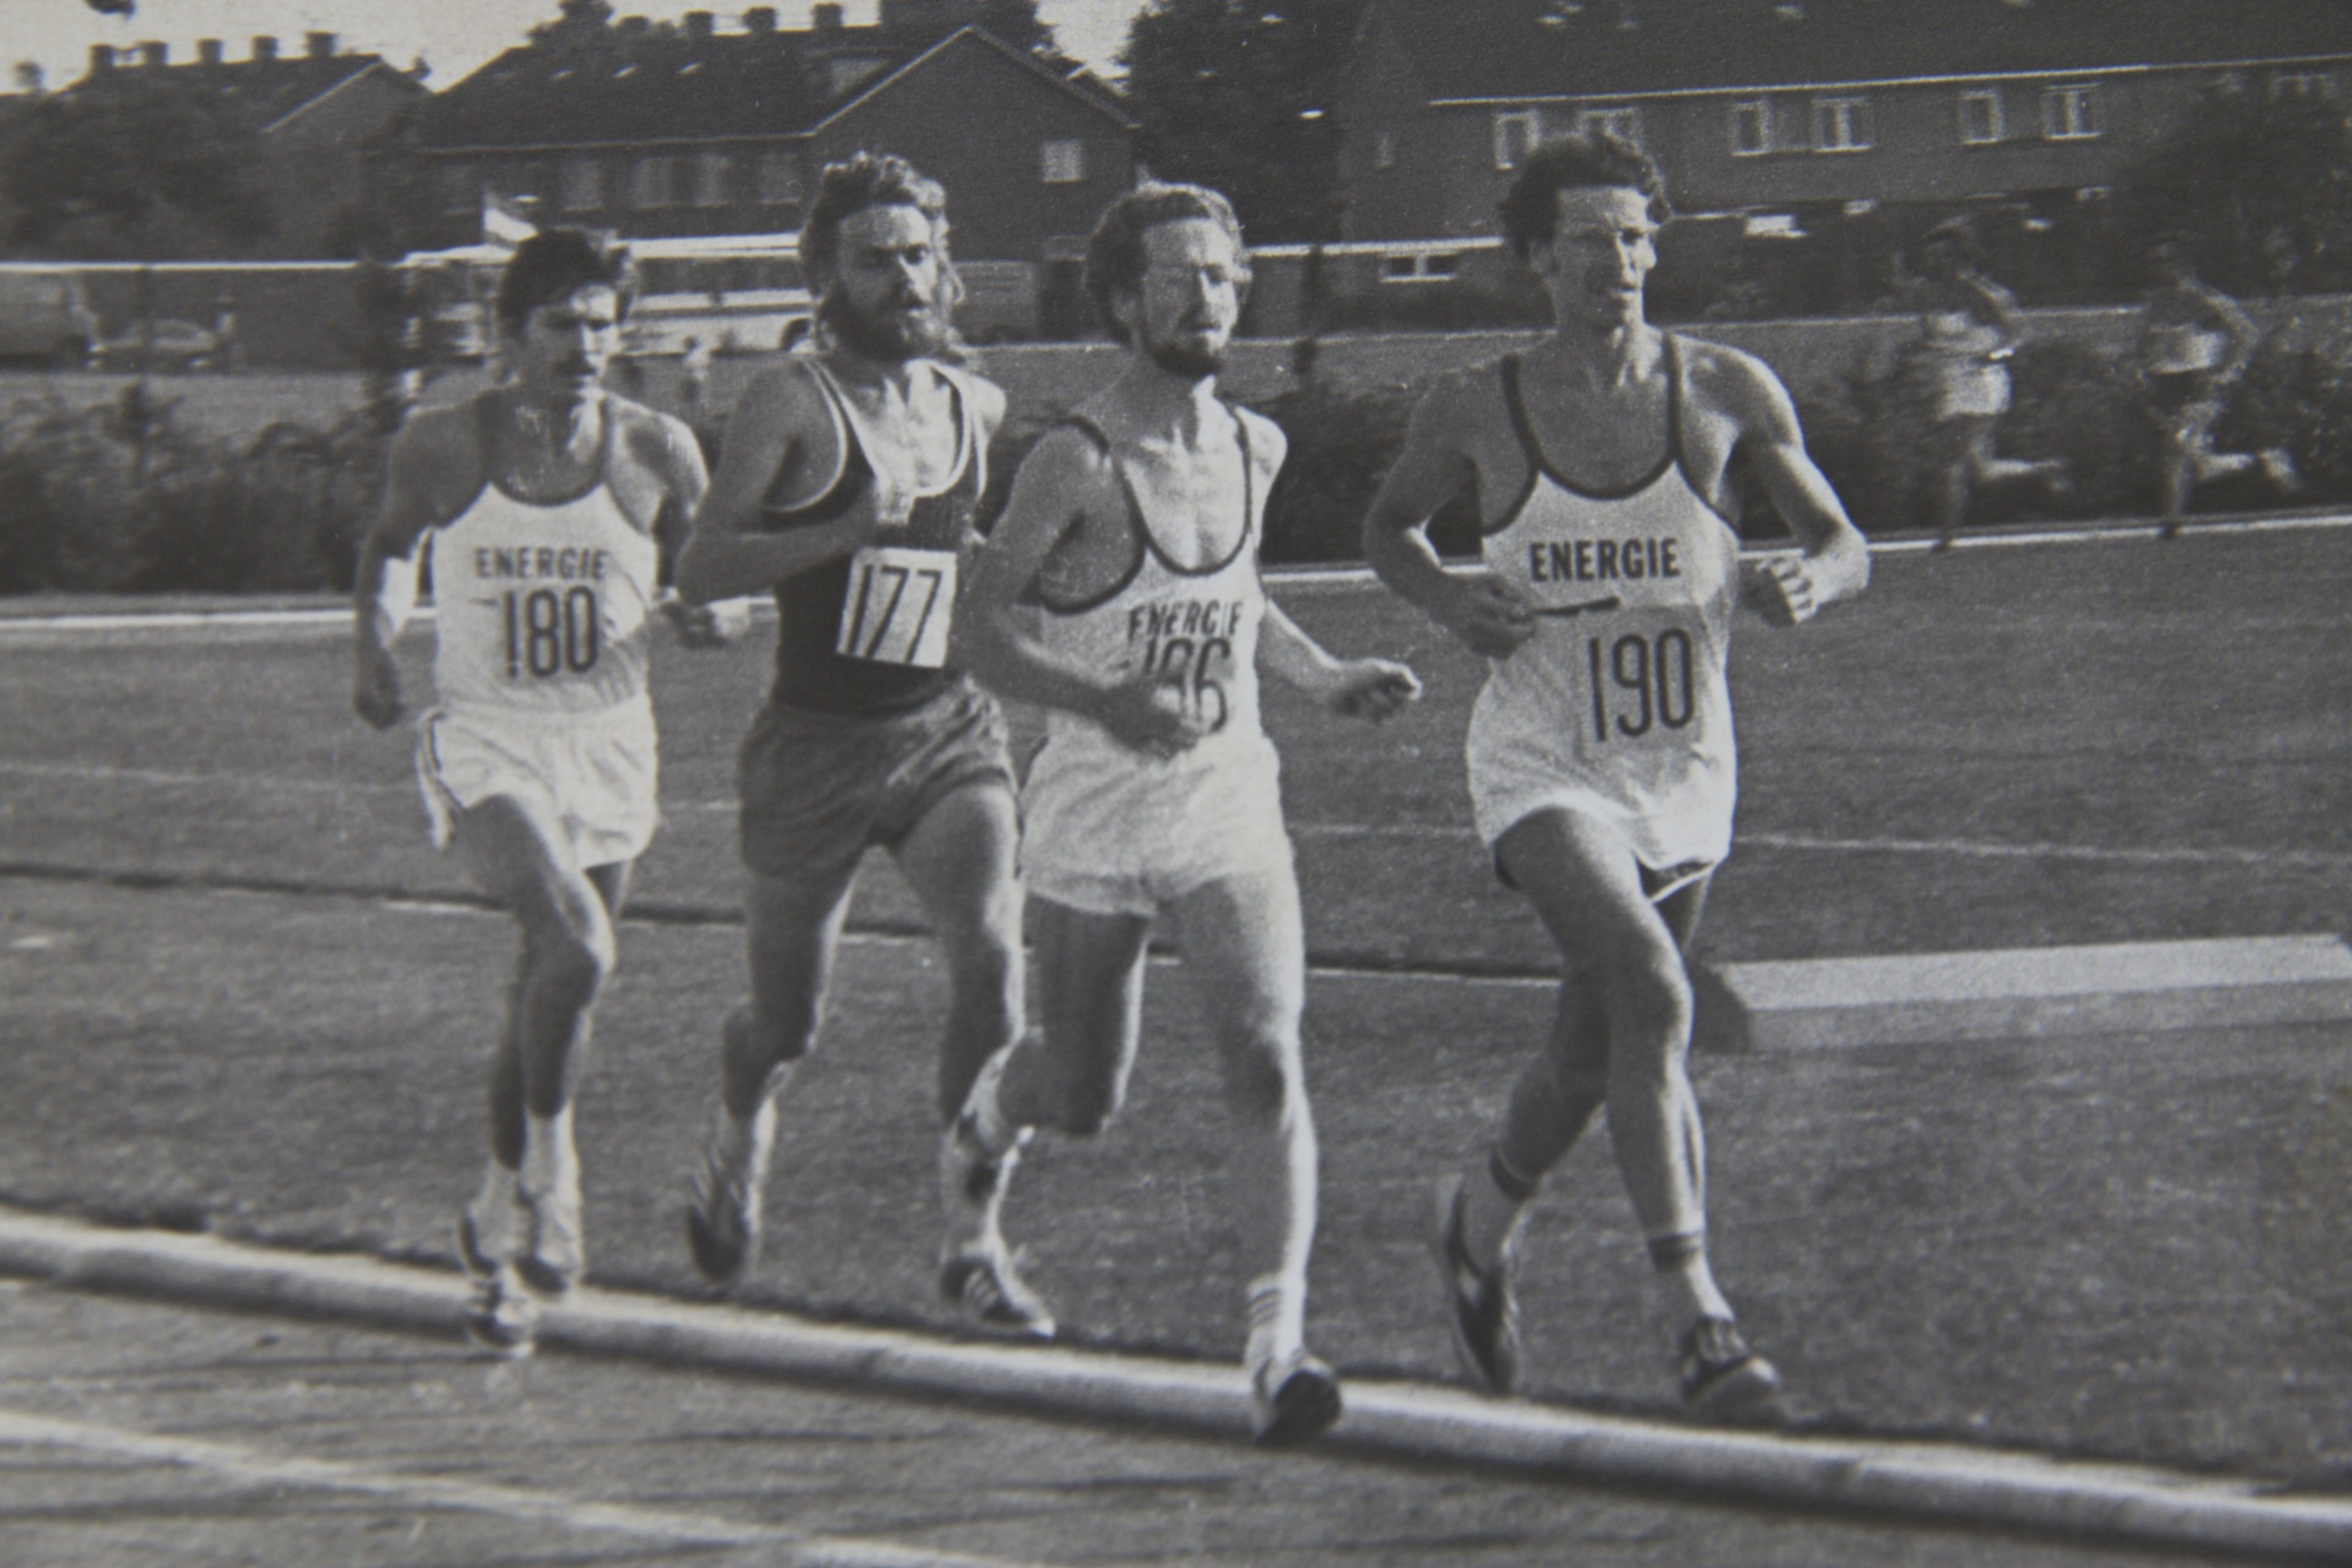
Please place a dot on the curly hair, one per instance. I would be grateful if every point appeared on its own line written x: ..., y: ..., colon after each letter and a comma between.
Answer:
x: 556, y: 263
x: 1597, y: 159
x: 848, y: 188
x: 1115, y: 254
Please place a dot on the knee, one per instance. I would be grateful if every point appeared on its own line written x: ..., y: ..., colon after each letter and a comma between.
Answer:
x: 574, y: 964
x: 1647, y: 996
x: 1262, y: 1076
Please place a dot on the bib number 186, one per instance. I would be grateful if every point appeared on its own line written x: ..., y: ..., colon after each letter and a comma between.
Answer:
x: 1639, y: 683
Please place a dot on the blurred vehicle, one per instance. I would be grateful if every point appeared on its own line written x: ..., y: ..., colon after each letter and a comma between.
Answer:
x: 175, y: 345
x: 44, y: 316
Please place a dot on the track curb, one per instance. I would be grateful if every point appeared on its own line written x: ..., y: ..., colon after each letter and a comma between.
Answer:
x: 1390, y: 1418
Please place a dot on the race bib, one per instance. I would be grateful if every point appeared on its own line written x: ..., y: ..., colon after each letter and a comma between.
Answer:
x: 898, y: 607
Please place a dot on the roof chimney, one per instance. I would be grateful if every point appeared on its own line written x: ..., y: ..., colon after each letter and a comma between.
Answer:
x: 318, y: 45
x: 759, y: 19
x: 101, y: 57
x: 208, y: 50
x: 265, y: 47
x: 154, y: 54
x: 826, y: 17
x: 699, y: 24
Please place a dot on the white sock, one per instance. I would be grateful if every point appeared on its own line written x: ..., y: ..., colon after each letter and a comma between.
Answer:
x: 1277, y: 1318
x: 995, y: 1131
x: 550, y: 1161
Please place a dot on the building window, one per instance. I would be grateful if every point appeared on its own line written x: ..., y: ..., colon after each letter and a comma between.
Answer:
x: 1517, y: 131
x: 583, y: 184
x: 1980, y: 117
x: 1385, y: 150
x: 1419, y: 267
x: 2071, y: 113
x: 1841, y: 125
x: 1061, y: 163
x: 1752, y: 128
x: 776, y: 179
x: 1624, y: 123
x: 652, y: 182
x: 2318, y: 85
x: 713, y: 172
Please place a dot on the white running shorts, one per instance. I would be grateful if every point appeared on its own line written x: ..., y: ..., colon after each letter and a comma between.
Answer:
x: 589, y: 780
x: 1111, y: 833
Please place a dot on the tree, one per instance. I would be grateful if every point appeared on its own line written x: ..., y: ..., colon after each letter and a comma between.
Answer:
x: 147, y: 170
x: 2256, y: 189
x: 1017, y: 23
x: 1240, y: 97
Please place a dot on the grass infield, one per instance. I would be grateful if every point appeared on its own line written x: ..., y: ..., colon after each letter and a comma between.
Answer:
x: 2125, y: 1247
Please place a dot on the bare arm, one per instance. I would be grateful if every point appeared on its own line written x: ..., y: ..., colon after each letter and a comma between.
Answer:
x: 1432, y: 468
x: 1993, y: 304
x: 1834, y: 559
x: 1371, y: 689
x: 2244, y: 336
x: 729, y: 553
x: 1063, y: 478
x: 385, y: 590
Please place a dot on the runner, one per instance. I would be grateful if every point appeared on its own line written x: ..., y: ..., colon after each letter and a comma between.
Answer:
x: 1121, y: 593
x: 1970, y: 330
x: 846, y: 485
x: 2195, y: 344
x: 549, y: 504
x: 1599, y: 751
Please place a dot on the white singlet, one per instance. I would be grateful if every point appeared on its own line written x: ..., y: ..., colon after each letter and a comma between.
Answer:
x: 541, y: 631
x: 542, y: 609
x: 1617, y: 707
x: 1109, y: 829
x: 1969, y: 379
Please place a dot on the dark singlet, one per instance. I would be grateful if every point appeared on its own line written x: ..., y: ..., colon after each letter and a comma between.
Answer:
x: 881, y: 602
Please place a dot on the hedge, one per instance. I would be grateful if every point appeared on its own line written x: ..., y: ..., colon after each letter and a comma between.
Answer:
x: 127, y: 498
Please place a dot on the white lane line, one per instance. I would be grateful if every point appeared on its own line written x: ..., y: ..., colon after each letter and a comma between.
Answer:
x: 1410, y: 832
x: 791, y: 1546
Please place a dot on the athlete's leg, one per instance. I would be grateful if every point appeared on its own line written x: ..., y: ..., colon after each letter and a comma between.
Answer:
x: 791, y: 928
x: 1989, y: 468
x: 567, y: 950
x: 1955, y: 438
x: 1587, y: 888
x: 1245, y: 944
x: 1551, y: 1104
x: 960, y: 861
x: 1071, y: 1075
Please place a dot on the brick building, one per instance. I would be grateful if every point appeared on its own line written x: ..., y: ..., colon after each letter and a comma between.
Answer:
x: 696, y: 130
x: 1857, y: 122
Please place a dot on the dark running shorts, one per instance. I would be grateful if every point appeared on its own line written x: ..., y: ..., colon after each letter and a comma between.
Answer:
x: 818, y: 789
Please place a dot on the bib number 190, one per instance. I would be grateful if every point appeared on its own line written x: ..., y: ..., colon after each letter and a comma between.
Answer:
x: 551, y: 633
x: 1641, y: 682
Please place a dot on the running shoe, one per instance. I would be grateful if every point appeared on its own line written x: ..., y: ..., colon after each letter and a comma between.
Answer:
x: 1723, y: 1380
x: 722, y: 1213
x: 985, y: 1279
x: 502, y: 1318
x: 1481, y: 1308
x: 1296, y: 1398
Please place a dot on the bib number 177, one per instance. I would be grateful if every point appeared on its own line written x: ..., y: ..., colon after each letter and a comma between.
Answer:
x: 898, y: 607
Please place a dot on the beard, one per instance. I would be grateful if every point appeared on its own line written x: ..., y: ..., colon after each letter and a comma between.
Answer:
x: 889, y: 336
x: 1179, y: 357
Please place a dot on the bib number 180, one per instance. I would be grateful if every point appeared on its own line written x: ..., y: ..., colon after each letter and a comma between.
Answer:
x: 550, y: 633
x: 1640, y: 683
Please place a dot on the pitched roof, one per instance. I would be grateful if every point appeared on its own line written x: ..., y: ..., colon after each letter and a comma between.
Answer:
x: 261, y: 92
x: 1537, y: 48
x: 668, y: 84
